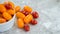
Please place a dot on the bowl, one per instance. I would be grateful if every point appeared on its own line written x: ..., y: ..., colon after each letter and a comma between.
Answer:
x: 6, y: 26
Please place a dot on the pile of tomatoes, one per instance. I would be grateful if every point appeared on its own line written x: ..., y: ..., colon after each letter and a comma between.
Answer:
x: 25, y: 17
x: 7, y: 11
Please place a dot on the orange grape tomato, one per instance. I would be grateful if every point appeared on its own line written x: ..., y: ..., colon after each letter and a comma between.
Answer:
x: 17, y: 8
x: 28, y: 9
x: 2, y: 8
x: 20, y: 23
x: 2, y: 20
x: 20, y: 15
x: 12, y: 12
x: 28, y: 18
x: 7, y: 16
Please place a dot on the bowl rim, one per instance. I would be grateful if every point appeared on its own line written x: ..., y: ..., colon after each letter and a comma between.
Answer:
x: 8, y: 21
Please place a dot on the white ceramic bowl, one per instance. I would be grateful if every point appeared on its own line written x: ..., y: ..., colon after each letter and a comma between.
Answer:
x: 6, y: 26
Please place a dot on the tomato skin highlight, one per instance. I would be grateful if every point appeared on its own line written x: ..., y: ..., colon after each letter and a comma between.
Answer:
x: 33, y: 22
x: 26, y: 27
x: 35, y: 14
x: 28, y: 18
x: 20, y: 23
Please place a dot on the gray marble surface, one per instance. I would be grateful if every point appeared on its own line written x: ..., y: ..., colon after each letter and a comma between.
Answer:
x: 49, y: 17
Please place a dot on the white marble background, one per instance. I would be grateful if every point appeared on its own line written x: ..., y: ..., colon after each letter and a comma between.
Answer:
x: 49, y: 17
